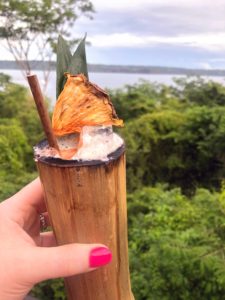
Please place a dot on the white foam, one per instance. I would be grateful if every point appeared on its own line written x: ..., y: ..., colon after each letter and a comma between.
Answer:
x: 96, y: 143
x: 45, y: 152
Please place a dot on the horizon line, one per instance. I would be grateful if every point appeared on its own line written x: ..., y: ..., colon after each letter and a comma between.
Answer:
x: 111, y: 68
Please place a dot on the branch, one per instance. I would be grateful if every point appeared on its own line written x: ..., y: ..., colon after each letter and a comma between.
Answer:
x: 17, y: 57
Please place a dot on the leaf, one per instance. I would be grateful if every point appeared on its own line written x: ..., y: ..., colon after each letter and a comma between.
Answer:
x: 64, y: 57
x: 75, y: 64
x: 78, y: 64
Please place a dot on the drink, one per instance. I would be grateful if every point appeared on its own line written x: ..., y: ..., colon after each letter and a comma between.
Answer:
x: 86, y: 201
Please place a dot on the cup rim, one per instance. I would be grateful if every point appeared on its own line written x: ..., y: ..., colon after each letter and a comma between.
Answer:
x: 59, y: 162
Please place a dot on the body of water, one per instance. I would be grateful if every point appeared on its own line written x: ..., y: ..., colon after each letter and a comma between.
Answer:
x: 104, y: 80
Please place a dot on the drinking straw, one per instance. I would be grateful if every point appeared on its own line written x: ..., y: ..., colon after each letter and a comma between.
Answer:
x: 42, y: 111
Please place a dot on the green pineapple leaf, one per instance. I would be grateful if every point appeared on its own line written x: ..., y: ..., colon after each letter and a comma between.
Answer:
x: 78, y: 63
x: 66, y: 62
x: 64, y: 57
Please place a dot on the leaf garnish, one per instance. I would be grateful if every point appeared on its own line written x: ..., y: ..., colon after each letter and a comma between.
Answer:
x: 78, y: 63
x: 64, y: 57
x: 68, y: 63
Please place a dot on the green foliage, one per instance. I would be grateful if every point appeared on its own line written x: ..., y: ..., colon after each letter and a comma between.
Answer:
x: 26, y: 25
x: 10, y: 183
x: 46, y: 16
x: 64, y: 57
x: 176, y: 245
x: 150, y: 143
x: 199, y: 91
x: 50, y: 289
x: 78, y: 63
x: 16, y: 102
x: 134, y: 101
x: 13, y: 145
x: 66, y: 62
x: 179, y: 141
x: 19, y: 130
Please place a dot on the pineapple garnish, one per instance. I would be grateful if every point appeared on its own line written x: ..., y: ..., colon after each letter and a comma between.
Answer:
x: 82, y: 103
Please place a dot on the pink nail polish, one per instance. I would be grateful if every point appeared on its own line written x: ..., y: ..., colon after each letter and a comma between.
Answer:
x: 99, y: 256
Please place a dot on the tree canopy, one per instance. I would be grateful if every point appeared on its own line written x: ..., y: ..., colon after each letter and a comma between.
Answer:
x: 172, y: 135
x: 20, y: 130
x: 30, y: 29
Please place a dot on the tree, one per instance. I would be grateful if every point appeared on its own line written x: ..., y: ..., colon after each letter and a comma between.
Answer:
x: 20, y: 130
x: 176, y: 244
x: 15, y: 102
x: 135, y: 100
x: 29, y: 27
x: 173, y: 134
x: 199, y: 91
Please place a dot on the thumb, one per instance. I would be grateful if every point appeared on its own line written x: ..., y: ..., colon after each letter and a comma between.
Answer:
x: 68, y: 260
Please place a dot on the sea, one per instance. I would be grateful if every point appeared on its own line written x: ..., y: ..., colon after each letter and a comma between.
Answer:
x: 104, y: 80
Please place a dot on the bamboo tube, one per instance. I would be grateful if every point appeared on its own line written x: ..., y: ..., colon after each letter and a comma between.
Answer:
x: 87, y: 204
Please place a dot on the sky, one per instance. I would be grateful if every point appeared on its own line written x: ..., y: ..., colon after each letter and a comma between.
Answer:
x: 177, y: 33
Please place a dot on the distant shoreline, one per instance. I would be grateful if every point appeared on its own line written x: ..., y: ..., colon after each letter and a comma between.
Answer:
x: 101, y: 68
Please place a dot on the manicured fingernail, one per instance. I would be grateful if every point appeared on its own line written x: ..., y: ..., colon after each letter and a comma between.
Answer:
x: 99, y: 256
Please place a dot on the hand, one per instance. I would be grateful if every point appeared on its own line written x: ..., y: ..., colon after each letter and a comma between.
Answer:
x: 28, y: 256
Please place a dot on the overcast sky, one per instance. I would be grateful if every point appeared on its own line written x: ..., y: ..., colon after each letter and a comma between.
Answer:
x: 182, y: 33
x: 185, y: 33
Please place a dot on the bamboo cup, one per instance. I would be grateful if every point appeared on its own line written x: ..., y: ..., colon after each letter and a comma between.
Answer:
x: 86, y: 203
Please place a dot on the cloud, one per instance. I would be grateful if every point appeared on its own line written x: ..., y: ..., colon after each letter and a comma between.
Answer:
x: 205, y: 66
x: 183, y: 32
x: 150, y: 23
x: 217, y: 60
x: 138, y: 4
x: 210, y: 41
x: 143, y: 23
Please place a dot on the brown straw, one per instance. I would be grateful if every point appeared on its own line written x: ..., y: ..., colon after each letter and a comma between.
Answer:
x: 42, y: 111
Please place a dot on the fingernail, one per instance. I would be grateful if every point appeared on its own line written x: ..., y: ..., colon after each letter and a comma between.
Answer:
x: 99, y: 256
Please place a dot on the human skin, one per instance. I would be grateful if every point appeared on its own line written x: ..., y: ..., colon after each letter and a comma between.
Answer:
x: 28, y: 256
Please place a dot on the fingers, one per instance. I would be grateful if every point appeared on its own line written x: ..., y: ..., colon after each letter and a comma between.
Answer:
x: 44, y: 221
x: 47, y: 239
x: 68, y: 260
x: 31, y: 195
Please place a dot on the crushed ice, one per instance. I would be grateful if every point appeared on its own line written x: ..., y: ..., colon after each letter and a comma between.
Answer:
x: 96, y: 143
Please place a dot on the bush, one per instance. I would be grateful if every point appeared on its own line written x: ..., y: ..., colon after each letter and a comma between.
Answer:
x: 175, y: 141
x: 20, y: 129
x: 176, y: 245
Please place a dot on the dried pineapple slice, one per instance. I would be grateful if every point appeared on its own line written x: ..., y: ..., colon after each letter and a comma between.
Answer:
x: 82, y: 103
